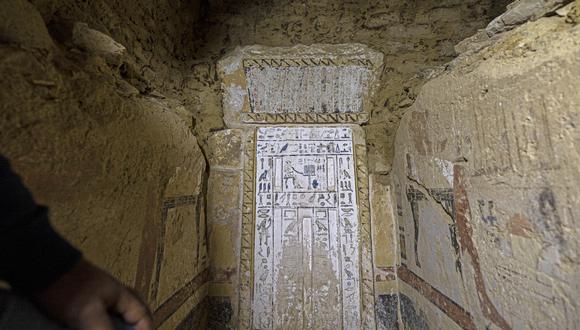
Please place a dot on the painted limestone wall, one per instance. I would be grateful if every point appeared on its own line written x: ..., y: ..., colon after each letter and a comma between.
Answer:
x: 485, y: 186
x: 117, y: 164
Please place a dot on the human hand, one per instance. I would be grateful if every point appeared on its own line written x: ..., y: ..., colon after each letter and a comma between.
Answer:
x: 83, y: 298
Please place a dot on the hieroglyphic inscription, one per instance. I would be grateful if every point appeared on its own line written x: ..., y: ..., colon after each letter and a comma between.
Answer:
x: 307, y: 267
x: 367, y: 276
x: 402, y: 243
x: 245, y: 313
x: 525, y: 136
x: 307, y: 85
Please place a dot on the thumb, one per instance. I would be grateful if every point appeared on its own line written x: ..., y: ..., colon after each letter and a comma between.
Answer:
x: 133, y: 310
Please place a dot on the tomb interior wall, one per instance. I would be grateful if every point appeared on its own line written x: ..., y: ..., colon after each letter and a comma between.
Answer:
x: 485, y: 183
x: 90, y: 120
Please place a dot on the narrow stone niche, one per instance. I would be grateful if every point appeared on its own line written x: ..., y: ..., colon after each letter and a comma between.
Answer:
x: 295, y: 156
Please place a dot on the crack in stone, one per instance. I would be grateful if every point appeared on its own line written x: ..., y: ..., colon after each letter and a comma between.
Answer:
x: 427, y: 192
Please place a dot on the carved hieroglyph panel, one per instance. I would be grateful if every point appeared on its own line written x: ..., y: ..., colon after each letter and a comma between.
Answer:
x: 306, y: 246
x: 307, y: 89
x: 300, y: 84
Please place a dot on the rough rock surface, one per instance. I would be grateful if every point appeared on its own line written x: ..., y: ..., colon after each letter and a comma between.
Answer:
x: 414, y: 36
x: 118, y: 165
x: 97, y: 43
x: 21, y: 23
x: 522, y: 11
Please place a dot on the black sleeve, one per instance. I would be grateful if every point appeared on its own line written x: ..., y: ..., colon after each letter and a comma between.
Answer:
x: 32, y: 254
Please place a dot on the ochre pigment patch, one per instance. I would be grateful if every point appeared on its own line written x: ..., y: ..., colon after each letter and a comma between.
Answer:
x: 520, y: 226
x: 419, y: 133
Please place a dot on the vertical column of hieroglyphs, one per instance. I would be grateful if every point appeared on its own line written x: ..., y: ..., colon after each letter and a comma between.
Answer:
x: 306, y: 247
x: 263, y: 239
x: 349, y: 235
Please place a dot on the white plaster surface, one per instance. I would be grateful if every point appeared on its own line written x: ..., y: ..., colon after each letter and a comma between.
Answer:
x: 306, y: 255
x: 308, y: 89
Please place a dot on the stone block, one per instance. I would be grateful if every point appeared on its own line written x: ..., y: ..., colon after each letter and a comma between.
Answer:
x: 473, y: 43
x: 383, y: 228
x: 224, y: 190
x: 223, y: 265
x: 377, y: 137
x: 224, y: 217
x: 300, y: 84
x: 225, y: 149
x: 305, y: 215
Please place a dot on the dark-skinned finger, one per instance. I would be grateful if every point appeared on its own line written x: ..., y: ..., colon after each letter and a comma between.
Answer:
x: 133, y: 310
x: 95, y: 317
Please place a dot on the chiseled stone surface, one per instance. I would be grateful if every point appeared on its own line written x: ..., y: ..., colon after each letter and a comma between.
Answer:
x: 261, y: 82
x: 486, y: 183
x: 414, y: 37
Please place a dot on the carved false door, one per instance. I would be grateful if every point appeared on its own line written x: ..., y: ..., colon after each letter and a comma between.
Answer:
x: 306, y: 251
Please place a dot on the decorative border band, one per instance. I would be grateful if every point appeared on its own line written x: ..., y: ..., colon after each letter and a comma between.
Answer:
x: 303, y: 118
x: 247, y: 237
x: 169, y: 307
x: 367, y: 275
x: 459, y: 315
x: 305, y: 62
x: 247, y: 234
